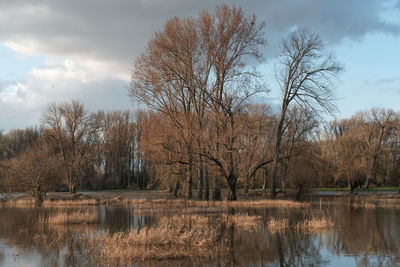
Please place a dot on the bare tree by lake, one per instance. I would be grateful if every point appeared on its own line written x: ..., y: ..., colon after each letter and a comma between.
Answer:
x: 306, y: 79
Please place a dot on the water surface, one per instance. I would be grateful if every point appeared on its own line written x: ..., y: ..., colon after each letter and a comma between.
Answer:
x: 360, y: 236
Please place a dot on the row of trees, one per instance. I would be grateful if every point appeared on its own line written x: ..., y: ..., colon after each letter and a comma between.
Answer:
x: 72, y: 149
x: 362, y: 150
x: 117, y: 150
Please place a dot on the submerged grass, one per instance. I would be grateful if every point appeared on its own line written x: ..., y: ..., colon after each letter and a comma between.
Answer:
x: 313, y: 225
x: 307, y: 226
x: 75, y: 217
x: 277, y: 225
x: 176, y: 237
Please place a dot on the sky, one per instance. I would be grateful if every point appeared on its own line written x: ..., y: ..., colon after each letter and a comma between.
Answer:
x: 53, y: 51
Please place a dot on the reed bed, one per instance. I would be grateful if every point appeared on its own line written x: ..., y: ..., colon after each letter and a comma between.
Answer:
x: 75, y: 217
x: 50, y: 202
x: 18, y: 202
x: 70, y: 202
x: 277, y: 225
x: 267, y: 203
x: 307, y: 226
x: 208, y: 204
x: 153, y: 203
x: 242, y: 222
x: 177, y: 237
x: 373, y: 203
x: 314, y: 225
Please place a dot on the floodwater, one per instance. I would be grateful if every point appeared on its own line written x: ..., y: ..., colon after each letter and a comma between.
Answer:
x: 361, y: 236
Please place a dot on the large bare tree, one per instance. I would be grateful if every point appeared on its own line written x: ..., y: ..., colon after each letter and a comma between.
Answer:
x: 72, y: 130
x: 306, y: 79
x: 377, y: 127
x: 200, y: 66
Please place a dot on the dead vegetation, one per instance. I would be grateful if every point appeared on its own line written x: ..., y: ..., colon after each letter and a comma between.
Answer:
x: 307, y: 226
x: 152, y: 204
x: 313, y: 225
x: 176, y: 237
x: 75, y: 217
x: 277, y: 225
x: 374, y: 202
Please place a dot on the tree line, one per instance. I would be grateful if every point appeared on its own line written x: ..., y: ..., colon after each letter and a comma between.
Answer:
x: 73, y: 149
x: 202, y: 131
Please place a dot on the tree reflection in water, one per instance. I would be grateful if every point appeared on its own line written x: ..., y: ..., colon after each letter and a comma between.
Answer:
x: 371, y: 236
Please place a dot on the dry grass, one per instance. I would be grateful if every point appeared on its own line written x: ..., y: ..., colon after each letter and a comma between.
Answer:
x: 313, y: 225
x: 50, y: 202
x: 277, y: 225
x: 18, y: 202
x: 243, y: 222
x: 373, y: 203
x: 177, y: 237
x: 70, y: 202
x: 308, y: 226
x: 266, y: 203
x: 210, y: 204
x: 75, y: 217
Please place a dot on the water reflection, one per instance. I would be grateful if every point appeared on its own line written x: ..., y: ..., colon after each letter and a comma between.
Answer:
x: 360, y: 237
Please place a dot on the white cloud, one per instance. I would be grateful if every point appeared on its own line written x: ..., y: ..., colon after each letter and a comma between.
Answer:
x: 62, y: 80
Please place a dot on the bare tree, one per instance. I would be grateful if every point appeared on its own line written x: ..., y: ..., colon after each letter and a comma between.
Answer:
x: 299, y: 126
x: 351, y: 161
x: 72, y: 130
x: 306, y: 78
x: 35, y: 171
x: 195, y: 65
x: 377, y: 126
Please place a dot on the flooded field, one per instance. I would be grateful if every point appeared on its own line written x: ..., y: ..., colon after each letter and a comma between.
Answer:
x: 326, y: 232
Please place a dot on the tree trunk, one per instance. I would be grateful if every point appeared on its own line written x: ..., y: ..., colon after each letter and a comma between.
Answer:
x: 284, y: 177
x: 201, y: 178
x: 232, y: 188
x: 265, y: 182
x: 372, y: 173
x: 71, y: 188
x: 299, y: 190
x: 189, y: 182
x: 176, y: 189
x: 217, y: 189
x: 246, y: 185
x: 276, y: 158
x: 206, y: 191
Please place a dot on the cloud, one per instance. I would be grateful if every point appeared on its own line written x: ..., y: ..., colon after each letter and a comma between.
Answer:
x: 117, y: 31
x: 90, y: 46
x: 4, y: 84
x: 25, y: 101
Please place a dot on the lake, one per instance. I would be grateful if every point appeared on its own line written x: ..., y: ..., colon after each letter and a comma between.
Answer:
x: 361, y: 234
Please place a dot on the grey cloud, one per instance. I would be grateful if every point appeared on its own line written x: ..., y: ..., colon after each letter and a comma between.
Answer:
x: 119, y: 30
x: 4, y: 84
